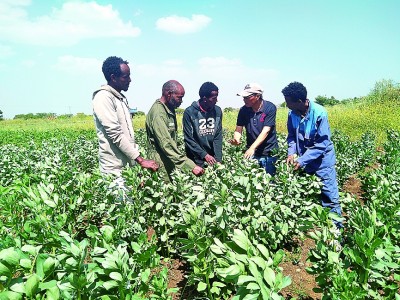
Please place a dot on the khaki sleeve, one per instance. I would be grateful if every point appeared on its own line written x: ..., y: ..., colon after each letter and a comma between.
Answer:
x: 168, y: 145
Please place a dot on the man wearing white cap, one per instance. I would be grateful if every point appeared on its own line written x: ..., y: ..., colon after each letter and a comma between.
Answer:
x: 258, y: 116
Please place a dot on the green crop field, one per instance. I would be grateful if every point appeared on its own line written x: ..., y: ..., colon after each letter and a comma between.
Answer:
x: 235, y: 232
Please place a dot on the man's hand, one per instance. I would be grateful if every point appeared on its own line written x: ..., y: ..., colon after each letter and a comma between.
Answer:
x: 249, y: 153
x: 292, y: 160
x: 198, y: 171
x: 210, y: 159
x: 234, y: 142
x: 147, y: 163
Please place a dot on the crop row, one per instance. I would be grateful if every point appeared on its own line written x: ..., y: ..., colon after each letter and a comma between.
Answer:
x: 65, y: 236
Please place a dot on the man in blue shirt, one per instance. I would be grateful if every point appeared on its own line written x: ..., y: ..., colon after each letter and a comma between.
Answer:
x: 309, y: 143
x: 258, y: 116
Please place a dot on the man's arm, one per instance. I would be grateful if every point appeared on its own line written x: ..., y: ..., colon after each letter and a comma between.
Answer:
x: 105, y: 112
x: 168, y: 145
x: 237, y: 135
x: 291, y: 138
x: 321, y: 142
x: 218, y: 140
x: 147, y: 163
x: 263, y: 135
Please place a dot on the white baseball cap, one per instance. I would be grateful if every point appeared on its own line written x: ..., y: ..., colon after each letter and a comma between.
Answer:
x: 251, y: 88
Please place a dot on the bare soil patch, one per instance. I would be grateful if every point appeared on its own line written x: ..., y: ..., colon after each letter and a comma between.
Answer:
x: 295, y: 265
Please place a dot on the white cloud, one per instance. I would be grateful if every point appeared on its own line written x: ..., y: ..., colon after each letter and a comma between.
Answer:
x: 183, y: 25
x: 73, y: 22
x: 76, y: 65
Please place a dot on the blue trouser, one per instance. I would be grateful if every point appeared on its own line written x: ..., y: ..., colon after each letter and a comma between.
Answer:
x: 330, y: 191
x: 268, y: 163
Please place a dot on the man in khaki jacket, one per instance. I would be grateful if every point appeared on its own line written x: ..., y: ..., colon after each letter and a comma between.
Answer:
x: 117, y: 147
x: 161, y: 129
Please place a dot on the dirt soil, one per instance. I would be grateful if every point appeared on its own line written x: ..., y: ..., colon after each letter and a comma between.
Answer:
x: 294, y: 265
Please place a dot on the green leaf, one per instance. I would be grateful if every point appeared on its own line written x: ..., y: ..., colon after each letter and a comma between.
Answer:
x: 32, y: 250
x: 162, y: 221
x: 10, y: 256
x: 240, y: 239
x: 278, y: 257
x: 201, y: 286
x: 51, y: 203
x: 49, y: 265
x: 98, y: 251
x: 333, y: 257
x: 218, y: 284
x: 71, y: 261
x: 145, y: 275
x: 47, y: 285
x: 116, y: 275
x: 269, y: 276
x: 53, y: 293
x: 25, y: 263
x: 259, y: 261
x: 216, y: 249
x: 251, y: 296
x: 285, y: 282
x: 110, y: 284
x: 245, y: 278
x: 9, y: 295
x: 4, y: 271
x: 107, y: 232
x: 18, y: 287
x: 253, y: 286
x: 230, y: 271
x: 264, y: 251
x: 219, y: 211
x: 31, y: 285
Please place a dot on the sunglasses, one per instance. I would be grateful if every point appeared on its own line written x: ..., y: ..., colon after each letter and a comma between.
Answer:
x: 249, y: 96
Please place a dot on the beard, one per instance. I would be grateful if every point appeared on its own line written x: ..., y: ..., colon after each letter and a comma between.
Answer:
x: 175, y: 103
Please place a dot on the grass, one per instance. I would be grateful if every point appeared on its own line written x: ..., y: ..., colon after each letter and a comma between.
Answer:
x: 377, y: 112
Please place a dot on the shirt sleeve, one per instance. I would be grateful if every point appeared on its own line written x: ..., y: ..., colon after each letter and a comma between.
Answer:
x: 188, y: 134
x: 291, y: 138
x: 321, y: 142
x: 218, y: 139
x: 106, y: 112
x: 168, y: 145
x: 270, y: 118
x: 241, y: 120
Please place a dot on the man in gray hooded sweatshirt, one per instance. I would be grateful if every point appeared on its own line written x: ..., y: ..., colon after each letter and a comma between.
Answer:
x: 202, y: 127
x: 117, y: 146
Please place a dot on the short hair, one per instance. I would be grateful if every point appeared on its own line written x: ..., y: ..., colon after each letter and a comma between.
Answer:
x: 170, y: 86
x: 295, y: 91
x: 206, y: 89
x: 112, y: 65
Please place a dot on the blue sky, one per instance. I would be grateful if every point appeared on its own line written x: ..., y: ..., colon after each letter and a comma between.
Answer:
x: 51, y: 51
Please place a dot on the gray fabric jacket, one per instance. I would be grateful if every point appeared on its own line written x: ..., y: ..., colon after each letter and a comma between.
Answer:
x: 117, y: 146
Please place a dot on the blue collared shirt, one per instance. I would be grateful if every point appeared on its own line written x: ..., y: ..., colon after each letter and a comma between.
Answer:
x: 310, y: 138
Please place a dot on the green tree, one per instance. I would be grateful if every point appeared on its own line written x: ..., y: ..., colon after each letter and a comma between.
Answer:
x: 325, y: 101
x: 229, y: 109
x: 1, y: 115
